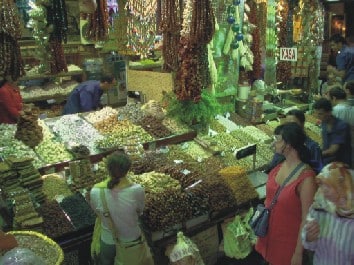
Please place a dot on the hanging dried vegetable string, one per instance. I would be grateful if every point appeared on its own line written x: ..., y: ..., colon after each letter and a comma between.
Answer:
x: 256, y: 73
x: 98, y: 22
x: 171, y: 21
x: 11, y: 63
x: 142, y: 25
x: 121, y: 27
x: 57, y: 18
x: 193, y: 74
x: 312, y: 23
x: 283, y: 67
x: 203, y: 23
x: 262, y: 22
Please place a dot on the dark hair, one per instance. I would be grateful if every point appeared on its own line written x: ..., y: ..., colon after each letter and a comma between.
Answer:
x: 323, y: 104
x: 337, y: 38
x: 299, y: 114
x: 337, y: 92
x: 118, y: 165
x: 350, y: 86
x: 293, y: 134
x: 107, y: 78
x: 2, y: 82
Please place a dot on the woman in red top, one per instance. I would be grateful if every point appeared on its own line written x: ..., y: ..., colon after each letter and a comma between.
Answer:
x: 10, y: 102
x: 282, y: 245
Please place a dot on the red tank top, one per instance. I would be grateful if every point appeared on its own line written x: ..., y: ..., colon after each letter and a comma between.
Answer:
x: 279, y: 245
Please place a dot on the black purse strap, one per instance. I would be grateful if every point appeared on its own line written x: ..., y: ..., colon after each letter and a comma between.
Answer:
x: 274, y: 200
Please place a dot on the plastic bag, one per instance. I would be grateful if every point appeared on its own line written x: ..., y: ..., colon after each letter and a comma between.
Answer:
x: 238, y: 237
x: 185, y: 252
x: 21, y: 256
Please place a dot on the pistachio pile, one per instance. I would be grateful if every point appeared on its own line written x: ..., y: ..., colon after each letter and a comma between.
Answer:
x: 100, y: 115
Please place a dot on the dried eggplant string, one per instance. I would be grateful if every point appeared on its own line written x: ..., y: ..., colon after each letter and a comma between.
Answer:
x: 283, y: 68
x: 193, y: 74
x: 98, y: 22
x: 57, y: 16
x: 11, y: 63
x: 171, y: 24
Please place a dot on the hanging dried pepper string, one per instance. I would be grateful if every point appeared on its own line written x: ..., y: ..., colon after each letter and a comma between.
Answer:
x: 283, y: 68
x: 58, y: 62
x: 57, y: 18
x: 203, y: 22
x: 193, y: 74
x: 11, y: 63
x: 256, y: 73
x: 98, y: 22
x: 171, y: 20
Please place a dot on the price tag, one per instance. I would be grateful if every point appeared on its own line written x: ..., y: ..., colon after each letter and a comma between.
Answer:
x: 59, y: 198
x: 185, y: 171
x: 51, y: 101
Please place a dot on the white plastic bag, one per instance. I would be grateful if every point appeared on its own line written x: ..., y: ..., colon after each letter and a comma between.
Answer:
x: 185, y: 252
x: 21, y: 256
x: 238, y: 237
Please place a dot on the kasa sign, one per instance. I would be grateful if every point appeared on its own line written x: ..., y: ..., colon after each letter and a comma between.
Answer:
x: 288, y: 54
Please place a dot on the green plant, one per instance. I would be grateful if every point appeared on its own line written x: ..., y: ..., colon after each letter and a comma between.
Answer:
x: 192, y: 113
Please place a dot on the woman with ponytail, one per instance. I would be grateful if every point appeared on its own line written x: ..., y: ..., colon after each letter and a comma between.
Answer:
x: 118, y: 204
x: 282, y: 245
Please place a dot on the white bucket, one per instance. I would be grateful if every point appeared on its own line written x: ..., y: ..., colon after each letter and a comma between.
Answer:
x: 243, y: 92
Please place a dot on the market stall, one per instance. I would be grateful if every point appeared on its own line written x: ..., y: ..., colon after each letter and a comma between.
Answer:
x: 209, y: 79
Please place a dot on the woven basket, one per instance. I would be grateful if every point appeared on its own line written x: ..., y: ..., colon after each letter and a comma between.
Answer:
x: 41, y: 245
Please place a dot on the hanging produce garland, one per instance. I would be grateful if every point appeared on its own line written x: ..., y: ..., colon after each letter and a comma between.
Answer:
x: 271, y: 47
x: 141, y: 25
x: 11, y: 63
x: 171, y: 25
x: 57, y: 19
x: 262, y: 21
x: 193, y: 74
x: 98, y: 22
x: 120, y: 25
x: 256, y: 73
x: 283, y: 67
x: 312, y: 24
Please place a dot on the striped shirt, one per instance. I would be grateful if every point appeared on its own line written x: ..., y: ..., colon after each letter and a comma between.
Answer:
x: 335, y: 245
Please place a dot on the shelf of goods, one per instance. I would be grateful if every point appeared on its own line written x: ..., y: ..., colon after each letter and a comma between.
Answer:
x: 37, y: 88
x: 191, y: 185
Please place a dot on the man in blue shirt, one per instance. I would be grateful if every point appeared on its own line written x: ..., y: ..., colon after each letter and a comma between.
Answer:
x: 316, y: 163
x: 87, y: 95
x: 345, y: 61
x: 335, y: 134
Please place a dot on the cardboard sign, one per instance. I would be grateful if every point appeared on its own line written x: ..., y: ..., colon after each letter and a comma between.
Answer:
x: 288, y: 54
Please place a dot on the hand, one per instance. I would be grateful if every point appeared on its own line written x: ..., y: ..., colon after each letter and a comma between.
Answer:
x: 297, y: 258
x: 312, y: 231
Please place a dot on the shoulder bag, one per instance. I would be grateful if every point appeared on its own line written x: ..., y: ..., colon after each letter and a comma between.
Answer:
x: 260, y: 220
